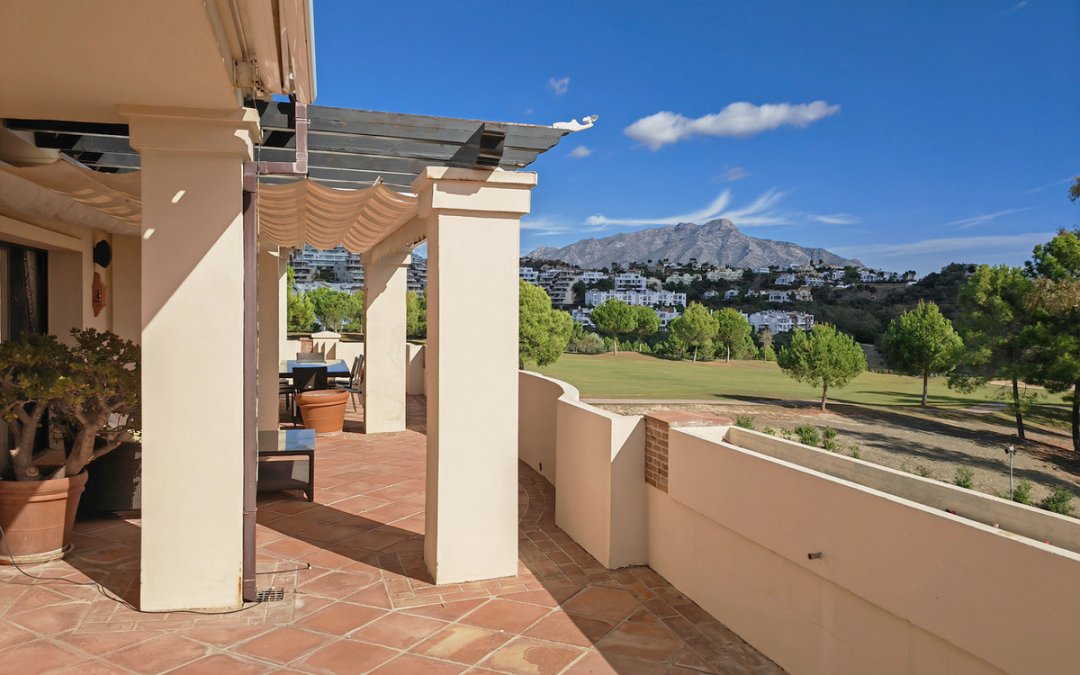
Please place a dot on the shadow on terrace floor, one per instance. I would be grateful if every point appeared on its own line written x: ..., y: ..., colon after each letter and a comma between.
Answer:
x: 367, y: 603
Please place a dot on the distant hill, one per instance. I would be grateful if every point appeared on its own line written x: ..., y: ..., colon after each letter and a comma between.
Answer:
x: 718, y: 242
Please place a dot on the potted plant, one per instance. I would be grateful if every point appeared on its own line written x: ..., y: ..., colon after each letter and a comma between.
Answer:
x: 92, y: 385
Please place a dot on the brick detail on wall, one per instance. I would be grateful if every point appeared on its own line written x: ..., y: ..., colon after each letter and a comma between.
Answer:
x: 657, y: 427
x: 656, y: 453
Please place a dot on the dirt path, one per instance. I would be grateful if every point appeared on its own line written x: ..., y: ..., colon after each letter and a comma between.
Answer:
x: 933, y: 443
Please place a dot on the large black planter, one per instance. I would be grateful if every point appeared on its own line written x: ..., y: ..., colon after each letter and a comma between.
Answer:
x: 115, y: 482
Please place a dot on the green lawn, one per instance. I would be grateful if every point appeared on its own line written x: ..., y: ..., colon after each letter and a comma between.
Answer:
x: 631, y: 375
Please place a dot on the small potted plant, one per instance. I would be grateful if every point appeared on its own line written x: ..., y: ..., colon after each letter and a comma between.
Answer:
x: 93, y: 386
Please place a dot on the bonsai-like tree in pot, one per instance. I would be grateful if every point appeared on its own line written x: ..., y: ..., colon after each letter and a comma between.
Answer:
x: 93, y: 385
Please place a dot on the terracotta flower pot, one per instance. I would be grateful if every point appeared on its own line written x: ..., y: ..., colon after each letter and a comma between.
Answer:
x: 38, y: 516
x: 323, y: 410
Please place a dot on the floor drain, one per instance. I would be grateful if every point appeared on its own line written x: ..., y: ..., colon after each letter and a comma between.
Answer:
x: 270, y: 595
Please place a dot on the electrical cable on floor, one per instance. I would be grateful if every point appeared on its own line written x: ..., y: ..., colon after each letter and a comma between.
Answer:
x: 125, y: 603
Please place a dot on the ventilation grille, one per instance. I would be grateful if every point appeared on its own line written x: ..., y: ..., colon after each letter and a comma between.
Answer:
x: 270, y: 595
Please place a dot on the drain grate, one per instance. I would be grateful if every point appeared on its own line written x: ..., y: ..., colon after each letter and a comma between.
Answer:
x: 270, y: 595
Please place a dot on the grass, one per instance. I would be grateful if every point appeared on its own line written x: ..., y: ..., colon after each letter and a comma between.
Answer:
x: 631, y: 375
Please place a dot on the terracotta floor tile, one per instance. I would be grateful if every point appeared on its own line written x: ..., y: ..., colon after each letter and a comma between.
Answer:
x: 221, y: 664
x: 601, y: 664
x: 604, y: 602
x: 571, y: 629
x: 448, y: 611
x: 463, y: 644
x: 524, y: 656
x: 506, y: 615
x: 345, y: 657
x: 399, y: 631
x: 283, y: 645
x: 37, y: 656
x: 545, y: 597
x: 340, y: 618
x: 338, y: 584
x: 158, y: 655
x: 374, y: 596
x: 52, y: 619
x: 330, y: 534
x: 224, y: 636
x: 97, y: 644
x: 13, y: 635
x: 89, y: 668
x: 409, y: 664
x: 34, y: 597
x: 375, y: 541
x: 641, y: 642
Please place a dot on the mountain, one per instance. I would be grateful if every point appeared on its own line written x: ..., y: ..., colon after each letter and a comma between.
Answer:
x: 718, y: 242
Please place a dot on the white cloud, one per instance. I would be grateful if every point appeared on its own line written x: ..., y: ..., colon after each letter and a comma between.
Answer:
x: 1049, y: 185
x: 737, y: 119
x: 542, y: 226
x: 733, y: 174
x: 948, y: 245
x: 762, y: 211
x: 559, y: 86
x: 580, y: 151
x: 835, y: 219
x: 985, y: 218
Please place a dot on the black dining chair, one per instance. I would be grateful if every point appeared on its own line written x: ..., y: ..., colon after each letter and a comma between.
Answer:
x: 307, y: 378
x: 355, y: 385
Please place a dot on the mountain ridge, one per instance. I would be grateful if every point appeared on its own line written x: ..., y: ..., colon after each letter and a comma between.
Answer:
x: 718, y: 242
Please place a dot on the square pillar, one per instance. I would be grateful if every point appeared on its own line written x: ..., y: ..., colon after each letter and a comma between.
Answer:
x: 270, y: 325
x: 385, y: 285
x: 472, y: 221
x: 192, y: 355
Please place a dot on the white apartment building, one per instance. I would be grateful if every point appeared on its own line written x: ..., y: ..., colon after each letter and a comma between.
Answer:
x: 835, y: 275
x: 710, y: 294
x: 869, y: 277
x: 785, y: 280
x: 666, y: 316
x: 594, y: 297
x: 779, y: 296
x: 682, y: 279
x: 591, y: 276
x: 559, y: 285
x: 630, y: 281
x: 780, y: 322
x: 731, y: 294
x: 417, y: 275
x: 724, y: 273
x: 530, y: 275
x: 583, y: 315
x: 813, y: 281
x: 761, y: 270
x: 803, y: 294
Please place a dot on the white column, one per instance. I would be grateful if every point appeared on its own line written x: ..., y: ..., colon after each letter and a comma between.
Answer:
x: 385, y: 285
x: 192, y: 355
x: 472, y: 370
x: 270, y: 308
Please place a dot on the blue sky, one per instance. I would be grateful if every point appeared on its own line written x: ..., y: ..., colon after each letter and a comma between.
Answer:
x: 907, y: 134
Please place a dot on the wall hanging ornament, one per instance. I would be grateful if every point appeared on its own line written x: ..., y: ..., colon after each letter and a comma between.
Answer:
x: 98, y: 294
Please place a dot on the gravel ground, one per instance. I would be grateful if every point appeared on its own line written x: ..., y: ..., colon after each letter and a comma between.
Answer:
x: 933, y: 443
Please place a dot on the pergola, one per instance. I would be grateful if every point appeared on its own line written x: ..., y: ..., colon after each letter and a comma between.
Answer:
x: 377, y: 183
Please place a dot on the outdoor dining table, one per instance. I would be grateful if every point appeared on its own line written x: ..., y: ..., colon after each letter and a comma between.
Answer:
x: 334, y: 368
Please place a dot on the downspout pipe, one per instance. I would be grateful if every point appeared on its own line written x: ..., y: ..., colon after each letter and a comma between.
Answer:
x: 252, y: 171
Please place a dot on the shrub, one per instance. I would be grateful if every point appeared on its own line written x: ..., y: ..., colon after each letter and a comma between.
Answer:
x: 590, y: 343
x: 923, y: 471
x: 831, y: 445
x: 964, y: 477
x: 1059, y: 501
x: 786, y: 433
x: 829, y: 433
x: 855, y: 452
x: 745, y: 421
x: 1022, y: 492
x: 808, y: 435
x: 769, y: 430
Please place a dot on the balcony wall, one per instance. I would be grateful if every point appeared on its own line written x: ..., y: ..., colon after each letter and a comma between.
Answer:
x: 334, y: 349
x: 902, y: 585
x: 594, y: 458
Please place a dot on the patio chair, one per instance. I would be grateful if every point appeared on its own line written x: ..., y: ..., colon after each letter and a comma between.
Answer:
x: 355, y: 385
x: 307, y: 378
x: 310, y: 357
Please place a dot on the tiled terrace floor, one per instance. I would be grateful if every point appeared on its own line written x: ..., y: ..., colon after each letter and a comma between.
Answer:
x: 366, y: 604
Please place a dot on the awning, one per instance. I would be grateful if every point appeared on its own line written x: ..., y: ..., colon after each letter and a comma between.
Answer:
x: 290, y: 214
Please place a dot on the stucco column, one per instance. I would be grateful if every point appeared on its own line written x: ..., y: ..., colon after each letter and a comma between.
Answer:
x: 192, y: 355
x: 270, y: 307
x: 385, y: 285
x: 472, y: 370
